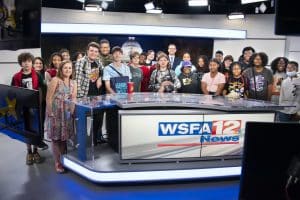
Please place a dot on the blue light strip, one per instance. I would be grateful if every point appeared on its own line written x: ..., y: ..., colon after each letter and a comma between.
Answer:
x: 115, y: 177
x: 142, y: 30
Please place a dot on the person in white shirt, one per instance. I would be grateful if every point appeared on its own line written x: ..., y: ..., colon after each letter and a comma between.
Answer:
x: 213, y: 82
x: 290, y: 94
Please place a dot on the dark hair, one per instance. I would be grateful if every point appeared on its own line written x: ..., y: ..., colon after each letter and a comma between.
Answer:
x: 143, y: 54
x: 41, y: 59
x: 206, y: 62
x: 262, y: 55
x: 228, y: 57
x: 163, y: 55
x: 233, y: 64
x: 59, y: 71
x: 104, y: 41
x: 77, y: 54
x: 115, y: 49
x: 219, y: 52
x: 63, y: 51
x: 51, y: 58
x: 24, y: 57
x: 248, y: 49
x: 134, y: 54
x: 294, y: 63
x: 275, y: 62
x: 215, y: 61
x: 150, y: 51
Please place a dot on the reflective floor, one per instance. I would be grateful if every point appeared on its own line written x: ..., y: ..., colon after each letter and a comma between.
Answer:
x: 40, y: 181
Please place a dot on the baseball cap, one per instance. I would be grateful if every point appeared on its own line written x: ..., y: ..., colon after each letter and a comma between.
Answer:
x: 115, y: 49
x: 186, y: 64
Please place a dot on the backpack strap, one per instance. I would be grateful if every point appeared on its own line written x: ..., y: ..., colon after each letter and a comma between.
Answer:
x: 115, y: 70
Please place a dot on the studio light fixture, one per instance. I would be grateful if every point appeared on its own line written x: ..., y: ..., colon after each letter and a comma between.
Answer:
x: 236, y: 15
x: 251, y: 1
x: 149, y: 6
x: 263, y: 7
x: 198, y: 2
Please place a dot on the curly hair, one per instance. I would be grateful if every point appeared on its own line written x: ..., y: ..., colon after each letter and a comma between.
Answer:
x: 262, y: 55
x: 275, y: 62
x: 24, y: 57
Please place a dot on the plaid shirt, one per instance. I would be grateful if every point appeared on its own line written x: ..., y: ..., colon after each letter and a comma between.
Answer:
x: 82, y: 72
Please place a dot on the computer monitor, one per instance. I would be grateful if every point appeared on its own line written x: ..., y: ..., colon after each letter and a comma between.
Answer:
x: 20, y: 113
x: 269, y: 149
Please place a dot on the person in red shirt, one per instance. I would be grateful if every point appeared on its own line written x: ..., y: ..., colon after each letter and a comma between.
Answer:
x: 55, y: 60
x: 27, y: 77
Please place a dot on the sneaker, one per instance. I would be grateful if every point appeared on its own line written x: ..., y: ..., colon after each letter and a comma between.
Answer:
x: 29, y: 159
x: 42, y: 145
x: 37, y: 158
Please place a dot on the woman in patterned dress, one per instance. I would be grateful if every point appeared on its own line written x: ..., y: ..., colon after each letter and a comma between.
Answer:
x: 58, y: 116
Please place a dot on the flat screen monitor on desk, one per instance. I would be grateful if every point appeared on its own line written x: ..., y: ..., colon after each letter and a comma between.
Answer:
x: 20, y: 113
x: 269, y: 152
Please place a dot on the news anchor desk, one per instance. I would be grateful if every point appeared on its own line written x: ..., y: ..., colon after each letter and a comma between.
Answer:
x: 163, y: 136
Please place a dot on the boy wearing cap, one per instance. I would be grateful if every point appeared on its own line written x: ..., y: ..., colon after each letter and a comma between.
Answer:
x: 115, y: 69
x: 189, y: 80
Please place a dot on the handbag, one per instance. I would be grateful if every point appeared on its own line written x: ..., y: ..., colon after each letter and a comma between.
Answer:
x: 119, y: 83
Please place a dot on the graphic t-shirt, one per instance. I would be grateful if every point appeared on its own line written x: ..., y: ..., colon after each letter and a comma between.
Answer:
x: 94, y: 75
x: 189, y: 83
x: 137, y: 76
x: 261, y: 82
x: 27, y: 81
x: 238, y: 85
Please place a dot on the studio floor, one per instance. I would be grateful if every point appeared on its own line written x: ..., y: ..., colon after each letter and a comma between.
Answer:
x: 39, y: 181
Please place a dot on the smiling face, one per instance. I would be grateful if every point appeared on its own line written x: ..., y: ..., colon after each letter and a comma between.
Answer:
x: 163, y: 62
x: 104, y: 49
x: 227, y: 63
x: 247, y: 55
x: 92, y: 53
x: 65, y: 55
x: 236, y: 70
x: 186, y: 57
x: 172, y: 49
x: 281, y: 65
x: 38, y: 65
x: 151, y: 56
x: 135, y: 60
x: 67, y: 70
x: 257, y: 61
x: 213, y: 67
x: 201, y: 62
x: 56, y: 60
x: 117, y: 56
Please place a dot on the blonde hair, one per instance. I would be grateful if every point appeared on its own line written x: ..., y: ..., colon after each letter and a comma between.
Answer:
x: 62, y: 64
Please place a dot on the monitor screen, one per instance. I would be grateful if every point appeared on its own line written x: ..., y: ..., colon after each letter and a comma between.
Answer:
x: 20, y: 113
x: 20, y: 24
x: 269, y: 150
x: 287, y: 17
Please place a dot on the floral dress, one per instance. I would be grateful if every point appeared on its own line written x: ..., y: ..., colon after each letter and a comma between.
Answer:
x: 60, y: 125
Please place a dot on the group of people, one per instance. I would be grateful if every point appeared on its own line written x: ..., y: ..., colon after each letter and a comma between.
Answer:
x: 91, y: 74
